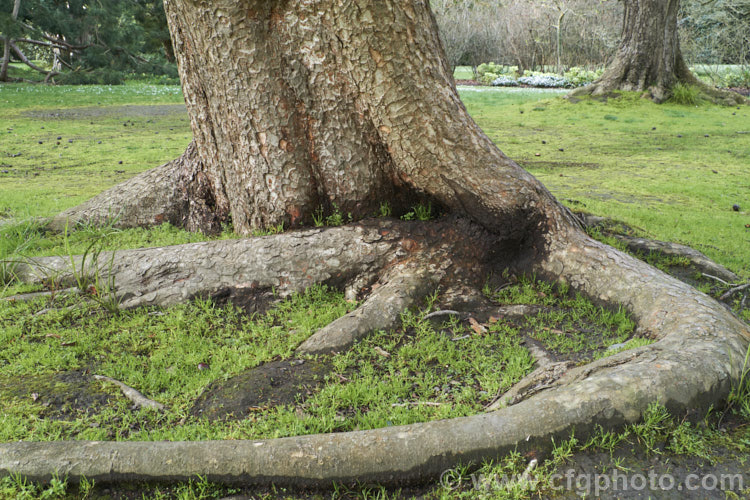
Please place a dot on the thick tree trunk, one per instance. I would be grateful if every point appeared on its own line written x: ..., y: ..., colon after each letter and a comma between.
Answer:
x: 297, y: 106
x: 649, y: 58
x: 7, y: 42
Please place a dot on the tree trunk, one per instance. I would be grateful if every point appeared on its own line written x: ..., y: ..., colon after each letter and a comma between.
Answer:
x: 649, y: 58
x: 345, y: 105
x: 294, y: 109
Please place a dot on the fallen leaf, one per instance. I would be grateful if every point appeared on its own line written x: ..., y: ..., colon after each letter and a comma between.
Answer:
x: 68, y: 344
x: 53, y: 335
x: 494, y: 319
x: 479, y: 329
x: 382, y: 352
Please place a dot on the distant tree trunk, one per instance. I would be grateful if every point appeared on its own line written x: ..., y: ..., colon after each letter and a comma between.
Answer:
x: 649, y: 58
x: 7, y: 41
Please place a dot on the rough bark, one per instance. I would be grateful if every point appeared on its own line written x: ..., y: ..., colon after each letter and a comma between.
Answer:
x: 648, y: 58
x: 7, y: 44
x: 299, y: 104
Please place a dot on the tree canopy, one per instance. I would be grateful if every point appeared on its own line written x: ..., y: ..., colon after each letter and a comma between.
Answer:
x: 88, y: 41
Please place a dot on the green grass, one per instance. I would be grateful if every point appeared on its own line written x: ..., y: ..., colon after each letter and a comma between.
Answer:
x: 103, y: 140
x: 613, y: 163
x: 569, y: 325
x: 672, y: 171
x: 172, y: 355
x: 463, y: 73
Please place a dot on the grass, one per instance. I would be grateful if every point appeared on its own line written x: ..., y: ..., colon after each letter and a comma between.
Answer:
x: 172, y: 355
x: 103, y: 139
x: 672, y: 171
x: 671, y: 183
x: 569, y: 324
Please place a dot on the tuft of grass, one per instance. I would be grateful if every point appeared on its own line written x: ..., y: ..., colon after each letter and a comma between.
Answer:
x: 686, y: 95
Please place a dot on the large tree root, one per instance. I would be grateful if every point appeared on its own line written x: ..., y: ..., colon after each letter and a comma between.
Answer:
x: 381, y: 311
x: 234, y: 269
x: 697, y: 358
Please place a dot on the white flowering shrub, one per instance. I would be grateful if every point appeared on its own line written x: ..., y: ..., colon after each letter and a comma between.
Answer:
x: 537, y: 79
x: 504, y: 81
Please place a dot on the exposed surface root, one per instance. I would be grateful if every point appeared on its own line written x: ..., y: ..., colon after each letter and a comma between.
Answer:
x: 697, y: 358
x: 286, y: 263
x: 176, y: 192
x: 52, y: 294
x: 381, y: 311
x: 545, y: 375
x: 700, y: 261
x: 696, y: 258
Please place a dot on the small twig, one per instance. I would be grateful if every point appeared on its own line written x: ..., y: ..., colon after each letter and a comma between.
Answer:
x: 417, y: 403
x: 443, y: 312
x: 138, y: 399
x: 734, y: 290
x: 461, y: 338
x: 714, y: 278
x: 527, y: 473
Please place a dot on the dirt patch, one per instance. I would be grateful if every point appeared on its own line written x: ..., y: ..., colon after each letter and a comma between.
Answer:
x: 99, y: 111
x: 470, y: 83
x: 663, y: 476
x: 556, y: 165
x: 276, y: 383
x: 64, y: 396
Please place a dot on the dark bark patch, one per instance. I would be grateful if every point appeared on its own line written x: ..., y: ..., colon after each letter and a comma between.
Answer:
x: 252, y: 299
x: 286, y: 382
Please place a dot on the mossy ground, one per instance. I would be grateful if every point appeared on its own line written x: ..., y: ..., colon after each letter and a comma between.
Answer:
x: 605, y: 158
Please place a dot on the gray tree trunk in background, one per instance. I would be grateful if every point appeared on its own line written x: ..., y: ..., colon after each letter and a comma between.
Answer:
x: 649, y: 58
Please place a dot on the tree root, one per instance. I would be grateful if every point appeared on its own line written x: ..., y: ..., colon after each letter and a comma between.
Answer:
x: 235, y: 269
x: 176, y: 192
x: 138, y: 399
x: 694, y: 363
x: 381, y: 311
x: 634, y: 244
x: 545, y: 375
x: 696, y: 258
x: 52, y: 294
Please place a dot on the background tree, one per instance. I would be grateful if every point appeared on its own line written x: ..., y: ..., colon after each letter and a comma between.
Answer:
x: 649, y: 57
x: 86, y: 41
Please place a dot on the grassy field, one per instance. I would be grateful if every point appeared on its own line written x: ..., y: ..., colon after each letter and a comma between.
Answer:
x: 673, y: 172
